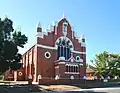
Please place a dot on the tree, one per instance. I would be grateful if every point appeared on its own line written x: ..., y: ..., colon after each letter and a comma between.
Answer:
x: 106, y: 64
x: 10, y: 40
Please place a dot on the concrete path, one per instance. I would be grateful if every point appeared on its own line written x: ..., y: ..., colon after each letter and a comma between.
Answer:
x: 93, y: 90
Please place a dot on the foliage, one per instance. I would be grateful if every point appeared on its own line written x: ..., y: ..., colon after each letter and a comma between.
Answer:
x: 10, y: 40
x: 106, y: 64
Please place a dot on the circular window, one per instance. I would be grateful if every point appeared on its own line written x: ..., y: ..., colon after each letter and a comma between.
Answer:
x: 77, y: 58
x: 47, y: 55
x: 20, y: 73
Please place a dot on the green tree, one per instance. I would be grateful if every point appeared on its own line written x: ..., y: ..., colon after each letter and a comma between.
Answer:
x: 10, y: 40
x: 106, y: 64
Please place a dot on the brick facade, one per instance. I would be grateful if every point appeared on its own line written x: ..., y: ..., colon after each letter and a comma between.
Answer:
x: 50, y: 60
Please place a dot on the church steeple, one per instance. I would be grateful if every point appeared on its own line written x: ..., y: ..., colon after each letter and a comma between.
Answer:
x: 39, y: 24
x: 39, y: 28
x: 83, y: 38
x: 63, y: 15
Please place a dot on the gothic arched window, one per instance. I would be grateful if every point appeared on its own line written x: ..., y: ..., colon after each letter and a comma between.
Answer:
x: 64, y: 49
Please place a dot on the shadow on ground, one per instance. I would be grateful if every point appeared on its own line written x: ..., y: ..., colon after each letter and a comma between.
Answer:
x: 34, y: 89
x: 24, y: 88
x: 19, y: 88
x: 97, y: 85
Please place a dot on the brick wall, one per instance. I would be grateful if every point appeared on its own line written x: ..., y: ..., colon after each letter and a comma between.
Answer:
x: 67, y: 81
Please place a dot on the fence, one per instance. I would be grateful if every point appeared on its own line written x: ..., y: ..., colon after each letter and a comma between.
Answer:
x: 66, y: 81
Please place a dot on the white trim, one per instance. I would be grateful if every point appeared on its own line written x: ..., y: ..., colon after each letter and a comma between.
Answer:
x: 51, y: 27
x: 20, y: 73
x: 48, y: 54
x: 57, y: 67
x: 56, y: 25
x: 30, y: 76
x: 39, y: 77
x: 79, y: 41
x: 76, y: 65
x: 77, y: 57
x: 75, y: 34
x: 81, y: 64
x: 57, y: 77
x: 71, y: 72
x: 40, y: 34
x: 47, y: 47
x: 67, y: 64
x: 71, y: 77
x: 35, y: 62
x: 83, y: 44
x: 64, y: 31
x: 63, y: 37
x: 55, y: 48
x: 78, y: 52
x: 80, y: 60
x: 61, y: 62
x: 46, y: 33
x: 60, y: 52
x: 61, y: 58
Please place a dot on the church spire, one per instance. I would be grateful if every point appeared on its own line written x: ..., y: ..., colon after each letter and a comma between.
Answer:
x: 63, y: 15
x: 39, y: 24
x: 39, y: 28
x: 82, y: 36
x: 83, y: 40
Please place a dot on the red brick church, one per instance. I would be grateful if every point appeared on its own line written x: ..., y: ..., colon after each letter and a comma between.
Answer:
x: 57, y: 53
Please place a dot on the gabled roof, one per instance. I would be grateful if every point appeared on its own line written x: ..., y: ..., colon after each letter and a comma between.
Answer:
x: 88, y: 70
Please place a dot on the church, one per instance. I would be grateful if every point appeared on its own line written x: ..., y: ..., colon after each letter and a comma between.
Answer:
x: 58, y: 53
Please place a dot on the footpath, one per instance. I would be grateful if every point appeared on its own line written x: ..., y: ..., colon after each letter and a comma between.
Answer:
x: 23, y: 87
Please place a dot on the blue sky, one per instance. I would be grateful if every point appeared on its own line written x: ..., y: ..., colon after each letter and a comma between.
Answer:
x: 99, y: 20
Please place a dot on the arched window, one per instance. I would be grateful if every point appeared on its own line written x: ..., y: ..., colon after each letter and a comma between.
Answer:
x: 64, y: 49
x: 67, y: 69
x: 76, y: 69
x: 72, y: 68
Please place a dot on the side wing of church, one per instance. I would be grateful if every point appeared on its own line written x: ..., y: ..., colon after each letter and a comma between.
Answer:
x: 57, y: 53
